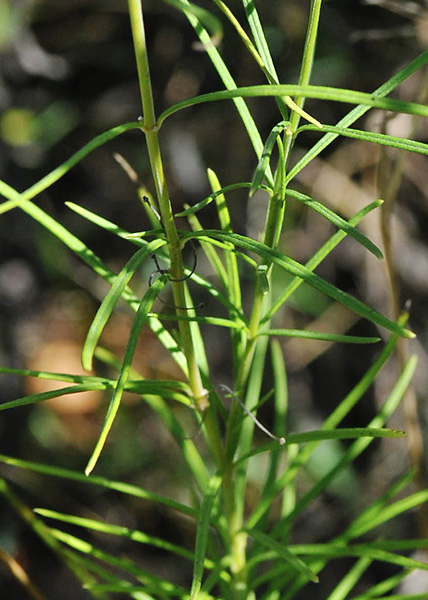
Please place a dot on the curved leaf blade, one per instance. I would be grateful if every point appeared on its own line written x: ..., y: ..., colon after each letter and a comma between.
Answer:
x: 321, y: 336
x: 202, y: 534
x: 370, y: 136
x: 108, y: 304
x: 297, y: 269
x: 336, y: 220
x: 305, y: 91
x: 141, y: 318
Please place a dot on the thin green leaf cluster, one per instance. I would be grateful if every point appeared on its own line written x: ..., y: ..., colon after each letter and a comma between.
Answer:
x: 239, y: 552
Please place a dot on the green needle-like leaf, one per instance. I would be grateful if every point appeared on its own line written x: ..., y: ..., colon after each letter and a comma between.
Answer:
x: 317, y: 258
x: 43, y: 396
x: 111, y: 299
x: 110, y: 529
x: 325, y: 337
x: 118, y: 486
x: 140, y: 320
x: 376, y: 138
x: 62, y: 169
x: 282, y: 551
x: 202, y: 534
x: 336, y: 220
x: 319, y: 435
x: 264, y: 160
x: 305, y: 91
x: 295, y: 268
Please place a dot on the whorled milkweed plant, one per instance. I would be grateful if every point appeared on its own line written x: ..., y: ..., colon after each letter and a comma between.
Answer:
x: 239, y: 552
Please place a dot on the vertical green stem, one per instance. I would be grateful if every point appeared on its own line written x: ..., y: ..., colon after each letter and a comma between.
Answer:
x: 273, y: 226
x: 275, y: 215
x: 149, y: 128
x: 308, y: 57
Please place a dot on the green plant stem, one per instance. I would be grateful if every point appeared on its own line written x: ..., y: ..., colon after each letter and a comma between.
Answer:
x: 308, y: 57
x: 273, y: 227
x: 150, y: 130
x: 276, y: 209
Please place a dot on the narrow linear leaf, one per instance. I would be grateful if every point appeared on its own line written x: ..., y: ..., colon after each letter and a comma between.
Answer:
x: 233, y: 288
x: 264, y: 160
x: 343, y: 434
x: 280, y: 427
x: 140, y: 320
x: 111, y: 529
x: 325, y: 337
x: 96, y: 264
x: 244, y: 428
x: 220, y: 322
x: 377, y: 138
x: 280, y: 387
x: 150, y: 581
x: 210, y: 252
x: 62, y: 169
x: 203, y: 203
x: 336, y: 220
x: 330, y: 551
x: 43, y: 396
x: 168, y: 388
x: 295, y: 268
x: 202, y: 534
x: 358, y: 112
x: 351, y: 579
x: 317, y: 258
x: 282, y: 551
x: 229, y: 83
x: 400, y: 545
x: 259, y: 36
x: 108, y: 304
x: 118, y: 486
x: 319, y: 435
x: 109, y: 226
x: 304, y: 91
x: 52, y: 375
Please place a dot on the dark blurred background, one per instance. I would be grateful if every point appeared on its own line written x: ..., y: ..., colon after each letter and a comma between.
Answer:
x: 67, y: 73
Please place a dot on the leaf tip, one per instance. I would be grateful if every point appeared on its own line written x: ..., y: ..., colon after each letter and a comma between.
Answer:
x: 86, y: 365
x: 253, y: 190
x: 91, y: 464
x: 409, y: 334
